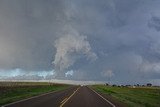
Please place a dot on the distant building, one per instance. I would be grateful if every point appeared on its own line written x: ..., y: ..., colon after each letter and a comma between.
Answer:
x: 133, y: 86
x: 149, y: 84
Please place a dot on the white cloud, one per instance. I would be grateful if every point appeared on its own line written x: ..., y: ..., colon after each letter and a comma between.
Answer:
x: 107, y: 73
x: 69, y: 73
x: 70, y: 47
x: 22, y: 74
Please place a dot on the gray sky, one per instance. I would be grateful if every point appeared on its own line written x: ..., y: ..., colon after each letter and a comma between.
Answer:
x: 95, y: 40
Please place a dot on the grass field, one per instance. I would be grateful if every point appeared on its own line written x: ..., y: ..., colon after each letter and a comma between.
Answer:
x: 133, y: 97
x: 14, y: 91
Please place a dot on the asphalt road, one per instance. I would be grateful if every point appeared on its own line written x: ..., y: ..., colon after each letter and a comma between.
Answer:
x: 72, y: 97
x: 85, y: 97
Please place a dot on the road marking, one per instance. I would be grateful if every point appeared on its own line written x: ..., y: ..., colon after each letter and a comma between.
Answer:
x: 102, y: 97
x: 64, y: 101
x: 30, y: 98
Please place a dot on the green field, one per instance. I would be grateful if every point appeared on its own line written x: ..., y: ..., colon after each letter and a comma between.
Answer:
x: 133, y: 97
x: 14, y: 91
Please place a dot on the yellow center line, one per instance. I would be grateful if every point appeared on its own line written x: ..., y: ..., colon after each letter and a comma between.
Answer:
x: 66, y: 99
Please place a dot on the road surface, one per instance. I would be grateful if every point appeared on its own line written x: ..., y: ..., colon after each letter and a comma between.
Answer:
x: 72, y: 97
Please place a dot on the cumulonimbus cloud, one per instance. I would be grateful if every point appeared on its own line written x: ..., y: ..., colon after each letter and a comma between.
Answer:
x: 69, y: 48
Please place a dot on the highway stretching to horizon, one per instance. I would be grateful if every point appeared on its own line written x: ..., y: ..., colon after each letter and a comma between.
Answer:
x: 78, y: 96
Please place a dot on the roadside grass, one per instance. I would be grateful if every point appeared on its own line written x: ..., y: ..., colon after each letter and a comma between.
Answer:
x: 11, y: 93
x: 133, y: 97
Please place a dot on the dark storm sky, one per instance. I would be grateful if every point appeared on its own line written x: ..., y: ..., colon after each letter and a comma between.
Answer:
x: 92, y: 39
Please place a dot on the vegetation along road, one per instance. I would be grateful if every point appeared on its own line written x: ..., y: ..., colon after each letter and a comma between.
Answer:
x: 60, y: 95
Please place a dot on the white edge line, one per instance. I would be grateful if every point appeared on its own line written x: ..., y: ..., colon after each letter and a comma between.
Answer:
x: 103, y: 97
x: 29, y: 98
x: 69, y: 97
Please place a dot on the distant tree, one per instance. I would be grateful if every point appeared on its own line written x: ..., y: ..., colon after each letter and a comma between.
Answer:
x: 107, y: 84
x: 114, y: 85
x: 122, y: 86
x: 149, y: 84
x: 138, y: 85
x: 128, y: 85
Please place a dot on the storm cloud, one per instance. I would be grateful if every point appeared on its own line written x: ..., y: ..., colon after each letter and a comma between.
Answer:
x: 96, y: 40
x: 70, y: 47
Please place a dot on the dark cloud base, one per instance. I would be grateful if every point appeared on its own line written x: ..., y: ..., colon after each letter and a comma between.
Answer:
x: 123, y: 37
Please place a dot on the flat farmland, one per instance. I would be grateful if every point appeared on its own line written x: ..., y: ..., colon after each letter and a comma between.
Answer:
x: 133, y: 97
